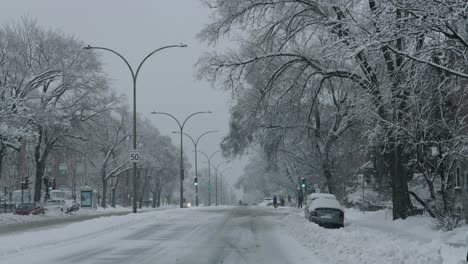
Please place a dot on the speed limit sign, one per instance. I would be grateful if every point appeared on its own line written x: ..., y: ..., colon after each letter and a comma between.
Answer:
x: 135, y: 156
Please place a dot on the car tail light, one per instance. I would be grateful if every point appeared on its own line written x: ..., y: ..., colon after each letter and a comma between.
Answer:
x: 341, y: 215
x: 313, y: 213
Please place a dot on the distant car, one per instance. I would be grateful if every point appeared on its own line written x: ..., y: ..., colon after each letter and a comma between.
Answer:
x: 29, y: 208
x: 326, y: 212
x: 56, y: 205
x: 186, y: 205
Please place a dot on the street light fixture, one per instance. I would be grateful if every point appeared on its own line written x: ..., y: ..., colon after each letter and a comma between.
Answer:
x: 209, y: 173
x: 195, y: 144
x: 134, y: 79
x: 181, y: 127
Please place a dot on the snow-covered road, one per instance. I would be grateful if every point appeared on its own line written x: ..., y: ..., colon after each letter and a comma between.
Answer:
x: 202, y: 235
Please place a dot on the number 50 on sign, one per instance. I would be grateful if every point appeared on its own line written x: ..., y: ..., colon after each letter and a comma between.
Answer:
x: 135, y: 156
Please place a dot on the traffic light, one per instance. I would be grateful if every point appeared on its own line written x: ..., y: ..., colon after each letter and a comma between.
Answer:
x: 195, y: 181
x: 46, y: 181
x: 303, y: 183
x: 54, y: 185
x: 26, y: 182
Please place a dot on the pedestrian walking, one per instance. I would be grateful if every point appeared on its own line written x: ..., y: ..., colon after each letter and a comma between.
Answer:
x: 300, y: 199
x: 282, y: 201
x: 275, y: 201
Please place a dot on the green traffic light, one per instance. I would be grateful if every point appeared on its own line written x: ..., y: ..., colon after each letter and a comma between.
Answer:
x: 303, y: 185
x: 196, y: 184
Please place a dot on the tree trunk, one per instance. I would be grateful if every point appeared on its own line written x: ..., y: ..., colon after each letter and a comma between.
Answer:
x: 328, y: 177
x: 104, y: 187
x: 159, y: 197
x: 400, y: 193
x: 40, y: 167
x: 114, y: 187
x: 154, y: 202
x: 113, y: 197
x: 40, y: 157
x: 2, y: 154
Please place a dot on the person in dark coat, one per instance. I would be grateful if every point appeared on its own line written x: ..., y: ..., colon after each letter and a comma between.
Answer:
x: 275, y: 201
x: 282, y: 201
x: 300, y: 199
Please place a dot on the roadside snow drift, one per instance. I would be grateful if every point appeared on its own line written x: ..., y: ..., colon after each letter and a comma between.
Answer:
x: 356, y: 244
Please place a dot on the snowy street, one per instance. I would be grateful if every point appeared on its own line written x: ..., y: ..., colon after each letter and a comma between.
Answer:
x: 214, y: 235
x: 230, y: 234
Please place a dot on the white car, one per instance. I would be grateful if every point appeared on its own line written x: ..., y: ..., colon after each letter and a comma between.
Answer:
x: 310, y: 198
x: 56, y: 205
x: 324, y: 209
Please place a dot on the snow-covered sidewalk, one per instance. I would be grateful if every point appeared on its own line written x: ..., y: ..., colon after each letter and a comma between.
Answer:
x: 79, y: 231
x: 374, y: 238
x: 12, y: 219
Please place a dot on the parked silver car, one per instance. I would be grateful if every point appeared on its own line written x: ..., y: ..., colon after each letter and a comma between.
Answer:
x: 324, y: 210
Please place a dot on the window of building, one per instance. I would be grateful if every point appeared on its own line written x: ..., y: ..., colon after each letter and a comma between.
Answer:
x: 63, y: 170
x: 79, y: 168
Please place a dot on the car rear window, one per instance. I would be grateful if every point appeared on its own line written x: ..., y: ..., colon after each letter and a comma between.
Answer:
x: 325, y: 203
x: 55, y: 202
x: 26, y: 206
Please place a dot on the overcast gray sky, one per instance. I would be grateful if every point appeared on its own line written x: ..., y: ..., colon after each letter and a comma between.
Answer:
x: 135, y: 28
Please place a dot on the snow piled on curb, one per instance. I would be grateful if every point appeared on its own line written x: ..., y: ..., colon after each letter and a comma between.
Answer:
x: 79, y: 231
x: 356, y: 244
x: 11, y: 219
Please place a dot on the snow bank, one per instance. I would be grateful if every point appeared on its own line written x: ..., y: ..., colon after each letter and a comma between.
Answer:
x: 361, y: 242
x: 10, y: 218
x: 79, y: 231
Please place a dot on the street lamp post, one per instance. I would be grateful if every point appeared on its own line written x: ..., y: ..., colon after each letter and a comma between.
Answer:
x: 134, y: 79
x: 181, y: 127
x: 216, y: 179
x: 209, y: 173
x: 195, y: 144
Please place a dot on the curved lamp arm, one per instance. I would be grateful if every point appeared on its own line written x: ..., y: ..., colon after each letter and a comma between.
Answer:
x: 167, y: 114
x: 153, y: 52
x: 197, y: 113
x: 116, y: 53
x: 207, y: 132
x: 135, y: 74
